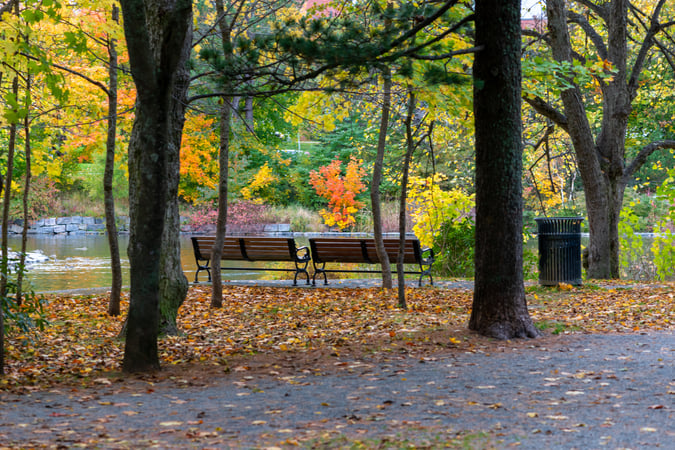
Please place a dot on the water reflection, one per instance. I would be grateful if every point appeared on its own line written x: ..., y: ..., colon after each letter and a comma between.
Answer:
x: 83, y: 262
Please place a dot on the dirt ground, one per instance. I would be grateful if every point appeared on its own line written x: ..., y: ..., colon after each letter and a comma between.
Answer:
x: 558, y: 391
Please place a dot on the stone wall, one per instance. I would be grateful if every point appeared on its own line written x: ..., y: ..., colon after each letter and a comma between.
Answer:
x: 93, y: 225
x: 66, y: 226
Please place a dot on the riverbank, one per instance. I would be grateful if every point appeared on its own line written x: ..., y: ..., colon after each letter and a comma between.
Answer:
x: 79, y: 225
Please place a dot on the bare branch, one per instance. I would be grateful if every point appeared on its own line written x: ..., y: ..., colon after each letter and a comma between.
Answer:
x: 547, y: 110
x: 642, y: 156
x: 98, y: 84
x: 647, y: 43
x: 601, y: 10
x: 593, y: 35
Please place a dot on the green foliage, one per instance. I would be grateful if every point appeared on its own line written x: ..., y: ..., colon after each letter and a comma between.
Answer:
x: 43, y: 200
x: 28, y: 317
x: 634, y: 259
x: 91, y: 176
x: 454, y: 248
x: 432, y: 207
x: 663, y: 247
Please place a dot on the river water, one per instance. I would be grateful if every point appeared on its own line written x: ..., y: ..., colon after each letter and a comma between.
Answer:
x: 83, y: 262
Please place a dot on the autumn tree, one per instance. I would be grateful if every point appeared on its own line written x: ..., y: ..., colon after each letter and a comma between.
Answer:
x: 159, y: 36
x: 625, y: 37
x: 499, y: 306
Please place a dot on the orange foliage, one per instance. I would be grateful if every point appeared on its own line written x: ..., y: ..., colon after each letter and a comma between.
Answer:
x: 339, y: 191
x: 198, y: 157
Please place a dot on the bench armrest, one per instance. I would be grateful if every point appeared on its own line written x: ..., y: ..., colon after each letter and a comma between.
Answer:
x: 302, y: 253
x: 428, y: 256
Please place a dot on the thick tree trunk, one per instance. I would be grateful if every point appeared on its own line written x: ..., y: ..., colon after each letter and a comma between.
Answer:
x: 375, y: 198
x: 601, y: 161
x: 108, y: 176
x: 156, y: 33
x: 173, y: 284
x: 499, y: 307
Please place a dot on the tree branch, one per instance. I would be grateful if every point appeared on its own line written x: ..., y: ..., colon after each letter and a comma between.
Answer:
x: 98, y: 84
x: 647, y: 43
x: 547, y: 110
x: 600, y: 10
x: 447, y: 55
x: 590, y: 32
x: 642, y: 156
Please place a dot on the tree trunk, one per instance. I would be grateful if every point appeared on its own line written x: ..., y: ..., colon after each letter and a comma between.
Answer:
x: 601, y: 161
x: 375, y: 198
x: 410, y: 147
x: 4, y: 269
x: 157, y: 33
x: 26, y: 193
x: 108, y: 175
x: 223, y: 172
x: 173, y: 284
x: 221, y: 222
x: 499, y: 307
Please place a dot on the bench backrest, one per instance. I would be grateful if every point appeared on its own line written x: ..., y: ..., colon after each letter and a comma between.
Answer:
x: 411, y: 250
x: 246, y: 248
x: 361, y: 250
x: 269, y: 248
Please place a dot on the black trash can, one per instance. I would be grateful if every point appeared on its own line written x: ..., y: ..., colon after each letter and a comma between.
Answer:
x: 559, y: 250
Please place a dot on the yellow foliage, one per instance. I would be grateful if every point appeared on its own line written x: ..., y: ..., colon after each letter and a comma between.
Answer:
x: 432, y: 206
x: 264, y: 178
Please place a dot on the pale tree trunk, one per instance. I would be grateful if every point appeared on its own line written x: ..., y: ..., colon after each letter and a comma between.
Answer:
x: 499, y: 307
x: 158, y: 33
x: 108, y: 176
x: 375, y: 198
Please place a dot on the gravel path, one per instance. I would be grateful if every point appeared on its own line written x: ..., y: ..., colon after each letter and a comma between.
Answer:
x: 580, y: 392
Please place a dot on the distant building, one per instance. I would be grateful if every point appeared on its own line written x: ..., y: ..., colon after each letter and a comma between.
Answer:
x: 535, y: 23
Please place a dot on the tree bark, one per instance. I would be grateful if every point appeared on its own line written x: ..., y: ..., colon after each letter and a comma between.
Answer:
x: 173, y: 284
x: 26, y: 193
x: 410, y: 148
x: 108, y: 175
x: 601, y: 161
x: 4, y: 269
x: 156, y: 32
x: 499, y: 307
x: 375, y: 197
x: 223, y: 163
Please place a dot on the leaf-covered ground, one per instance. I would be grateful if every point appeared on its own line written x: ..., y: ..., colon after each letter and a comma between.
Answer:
x: 81, y: 343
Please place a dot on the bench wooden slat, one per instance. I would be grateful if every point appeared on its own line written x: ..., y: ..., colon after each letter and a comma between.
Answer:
x: 363, y: 251
x: 249, y: 248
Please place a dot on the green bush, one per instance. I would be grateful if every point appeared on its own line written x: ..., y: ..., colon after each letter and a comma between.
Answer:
x: 454, y: 249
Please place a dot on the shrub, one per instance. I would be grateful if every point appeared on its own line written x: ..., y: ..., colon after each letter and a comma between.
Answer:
x: 454, y: 249
x: 340, y: 191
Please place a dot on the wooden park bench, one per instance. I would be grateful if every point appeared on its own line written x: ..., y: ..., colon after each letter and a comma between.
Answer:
x: 362, y: 251
x: 253, y: 249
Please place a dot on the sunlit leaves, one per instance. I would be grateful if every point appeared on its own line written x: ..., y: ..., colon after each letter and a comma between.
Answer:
x: 340, y: 191
x: 81, y: 340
